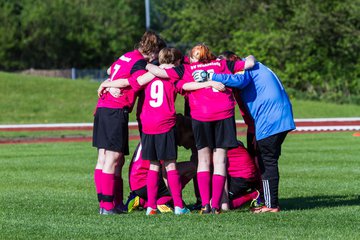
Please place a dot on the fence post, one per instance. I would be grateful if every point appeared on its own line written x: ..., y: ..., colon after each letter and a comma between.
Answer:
x: 73, y: 73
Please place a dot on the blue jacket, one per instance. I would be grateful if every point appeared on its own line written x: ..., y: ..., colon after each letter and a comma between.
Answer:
x: 265, y: 97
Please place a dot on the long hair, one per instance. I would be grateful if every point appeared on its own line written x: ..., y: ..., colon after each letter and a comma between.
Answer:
x: 151, y: 43
x: 201, y: 53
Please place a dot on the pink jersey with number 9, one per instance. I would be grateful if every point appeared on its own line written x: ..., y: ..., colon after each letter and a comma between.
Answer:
x: 158, y: 113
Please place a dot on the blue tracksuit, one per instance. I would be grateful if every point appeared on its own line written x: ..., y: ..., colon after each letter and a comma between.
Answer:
x: 265, y: 97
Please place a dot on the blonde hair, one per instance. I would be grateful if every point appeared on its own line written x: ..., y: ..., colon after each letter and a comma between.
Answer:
x: 169, y: 55
x: 201, y: 53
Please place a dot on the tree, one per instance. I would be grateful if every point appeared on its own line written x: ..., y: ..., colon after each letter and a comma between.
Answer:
x: 66, y: 33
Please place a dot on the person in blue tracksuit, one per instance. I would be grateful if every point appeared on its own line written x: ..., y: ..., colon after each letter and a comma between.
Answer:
x: 268, y: 104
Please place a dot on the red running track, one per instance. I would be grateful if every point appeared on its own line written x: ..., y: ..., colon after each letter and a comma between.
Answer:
x: 302, y: 126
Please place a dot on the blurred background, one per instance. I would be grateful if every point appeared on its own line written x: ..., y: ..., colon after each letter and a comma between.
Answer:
x: 313, y: 46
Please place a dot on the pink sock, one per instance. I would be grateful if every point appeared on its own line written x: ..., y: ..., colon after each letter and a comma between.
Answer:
x: 118, y: 191
x: 238, y: 202
x: 175, y: 188
x: 107, y: 185
x: 164, y: 200
x: 152, y: 183
x: 142, y: 203
x: 218, y: 183
x: 97, y: 181
x: 145, y: 204
x: 204, y: 187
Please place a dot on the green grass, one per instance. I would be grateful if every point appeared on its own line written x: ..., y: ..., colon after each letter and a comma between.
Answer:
x: 30, y: 99
x: 46, y: 191
x: 39, y: 134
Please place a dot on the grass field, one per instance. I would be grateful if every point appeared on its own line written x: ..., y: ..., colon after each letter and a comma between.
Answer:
x: 29, y: 99
x: 47, y: 192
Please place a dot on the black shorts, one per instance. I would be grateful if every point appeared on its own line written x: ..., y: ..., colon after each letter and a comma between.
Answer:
x: 111, y: 131
x: 215, y: 134
x: 240, y: 186
x: 162, y: 190
x: 159, y: 146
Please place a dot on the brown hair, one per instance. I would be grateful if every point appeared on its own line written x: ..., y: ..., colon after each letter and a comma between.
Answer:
x: 151, y: 43
x: 228, y: 55
x: 169, y: 55
x: 202, y: 53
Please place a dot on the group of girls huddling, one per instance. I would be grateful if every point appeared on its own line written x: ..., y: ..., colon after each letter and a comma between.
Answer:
x: 225, y: 174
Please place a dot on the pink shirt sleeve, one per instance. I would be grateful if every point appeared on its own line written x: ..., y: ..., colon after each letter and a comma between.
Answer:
x: 239, y: 66
x: 133, y: 80
x: 172, y: 73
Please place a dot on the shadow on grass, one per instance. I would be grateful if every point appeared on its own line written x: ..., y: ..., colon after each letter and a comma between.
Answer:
x: 301, y: 203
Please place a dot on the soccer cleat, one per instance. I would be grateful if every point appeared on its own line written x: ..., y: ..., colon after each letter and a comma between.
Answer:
x: 164, y: 208
x: 180, y: 211
x: 265, y: 209
x: 151, y: 211
x: 206, y: 209
x: 121, y: 209
x: 133, y: 202
x: 196, y: 206
x: 109, y: 212
x: 215, y: 211
x: 256, y: 202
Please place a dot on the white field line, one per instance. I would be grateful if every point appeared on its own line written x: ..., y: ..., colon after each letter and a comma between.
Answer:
x: 327, y: 128
x: 53, y: 125
x: 350, y: 119
x: 343, y: 127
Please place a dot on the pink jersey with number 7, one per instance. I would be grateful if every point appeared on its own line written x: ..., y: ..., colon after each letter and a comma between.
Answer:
x: 129, y: 65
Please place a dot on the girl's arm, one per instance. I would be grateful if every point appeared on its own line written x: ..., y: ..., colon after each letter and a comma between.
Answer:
x: 157, y: 71
x: 231, y: 80
x: 191, y: 86
x: 118, y: 83
x: 124, y: 82
x: 145, y: 78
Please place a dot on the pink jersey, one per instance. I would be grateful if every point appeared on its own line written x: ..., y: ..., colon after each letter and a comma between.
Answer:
x: 207, y: 104
x: 241, y: 164
x: 131, y: 64
x: 158, y: 113
x: 138, y: 170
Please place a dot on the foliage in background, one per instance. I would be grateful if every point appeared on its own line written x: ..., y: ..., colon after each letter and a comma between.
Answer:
x: 314, y: 46
x: 67, y: 33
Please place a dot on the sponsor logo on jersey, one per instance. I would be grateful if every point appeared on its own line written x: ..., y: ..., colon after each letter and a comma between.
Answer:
x: 205, y: 65
x: 126, y: 59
